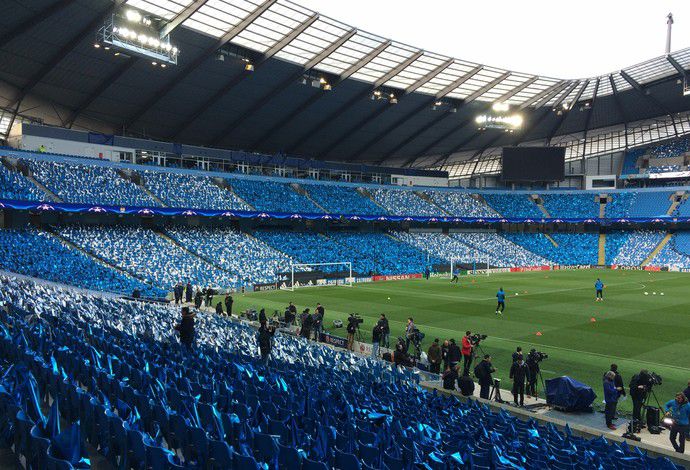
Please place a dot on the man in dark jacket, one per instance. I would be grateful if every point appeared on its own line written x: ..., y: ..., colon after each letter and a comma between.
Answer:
x: 262, y: 316
x: 385, y: 331
x: 177, y: 293
x: 320, y: 310
x: 198, y: 298
x: 209, y: 296
x: 466, y: 385
x: 519, y: 372
x: 189, y: 293
x: 483, y: 372
x: 444, y: 353
x: 517, y: 354
x: 434, y: 355
x: 290, y: 319
x: 186, y: 328
x: 618, y: 379
x: 640, y: 385
x: 307, y: 322
x: 450, y: 376
x: 317, y: 325
x: 228, y: 304
x: 265, y: 340
x: 219, y: 308
x: 453, y: 354
x: 375, y: 340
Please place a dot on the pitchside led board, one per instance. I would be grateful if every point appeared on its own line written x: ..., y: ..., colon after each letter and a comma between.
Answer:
x: 533, y: 164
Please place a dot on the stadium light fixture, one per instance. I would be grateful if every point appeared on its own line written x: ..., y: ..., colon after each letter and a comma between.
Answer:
x: 133, y: 16
x: 500, y: 107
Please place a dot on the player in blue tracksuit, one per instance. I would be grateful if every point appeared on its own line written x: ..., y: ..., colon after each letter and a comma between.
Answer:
x: 501, y: 297
x: 455, y: 276
x: 599, y: 286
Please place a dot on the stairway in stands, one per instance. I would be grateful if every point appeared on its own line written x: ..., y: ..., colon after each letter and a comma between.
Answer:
x: 656, y: 249
x: 431, y: 201
x: 299, y: 189
x: 540, y: 204
x: 137, y: 179
x: 601, y: 259
x: 368, y: 195
x: 13, y: 164
x: 171, y: 240
x: 225, y: 184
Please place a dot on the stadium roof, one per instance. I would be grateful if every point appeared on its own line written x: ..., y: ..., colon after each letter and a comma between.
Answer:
x: 46, y: 50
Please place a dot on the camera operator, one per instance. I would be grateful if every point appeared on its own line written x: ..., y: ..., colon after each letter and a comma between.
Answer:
x: 533, y: 360
x: 483, y: 372
x: 265, y: 340
x: 375, y: 340
x: 434, y: 356
x: 353, y: 322
x: 467, y: 347
x: 640, y: 385
x: 679, y: 411
x: 409, y: 333
x: 519, y: 372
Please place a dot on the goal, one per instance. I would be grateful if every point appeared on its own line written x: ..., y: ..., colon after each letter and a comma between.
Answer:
x: 310, y: 281
x: 478, y: 266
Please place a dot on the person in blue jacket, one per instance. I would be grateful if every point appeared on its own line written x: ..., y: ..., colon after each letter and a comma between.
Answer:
x: 501, y: 297
x: 611, y: 394
x: 679, y: 410
x: 599, y: 286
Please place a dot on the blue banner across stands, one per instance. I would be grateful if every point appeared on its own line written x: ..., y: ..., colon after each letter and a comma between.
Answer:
x: 171, y: 211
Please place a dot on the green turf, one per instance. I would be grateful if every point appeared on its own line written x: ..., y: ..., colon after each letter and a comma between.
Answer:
x: 631, y: 329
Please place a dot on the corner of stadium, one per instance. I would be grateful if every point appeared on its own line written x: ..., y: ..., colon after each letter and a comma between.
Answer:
x: 243, y: 234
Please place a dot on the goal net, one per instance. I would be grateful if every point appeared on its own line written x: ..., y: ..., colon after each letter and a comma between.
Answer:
x: 477, y: 265
x: 319, y: 275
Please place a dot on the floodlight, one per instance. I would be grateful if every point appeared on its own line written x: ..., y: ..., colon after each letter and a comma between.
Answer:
x: 500, y: 106
x: 249, y: 67
x: 133, y: 16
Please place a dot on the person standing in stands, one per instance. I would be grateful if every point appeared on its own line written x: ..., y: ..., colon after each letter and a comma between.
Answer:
x: 307, y: 322
x: 434, y: 355
x: 679, y: 410
x: 186, y: 328
x: 228, y: 303
x: 409, y: 333
x: 375, y: 340
x: 262, y: 316
x: 501, y: 298
x: 444, y: 354
x: 189, y: 293
x: 198, y: 298
x: 449, y: 377
x: 318, y: 323
x: 519, y: 372
x: 320, y: 310
x: 209, y: 296
x: 599, y: 287
x: 176, y: 293
x: 611, y: 397
x: 453, y: 355
x: 219, y: 308
x: 265, y: 340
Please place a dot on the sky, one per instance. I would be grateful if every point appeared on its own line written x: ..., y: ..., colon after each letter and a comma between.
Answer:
x: 556, y: 38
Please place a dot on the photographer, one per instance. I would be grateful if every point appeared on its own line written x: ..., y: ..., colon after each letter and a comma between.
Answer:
x: 640, y: 385
x: 375, y: 340
x: 265, y: 340
x: 533, y: 360
x: 483, y: 372
x: 679, y: 411
x: 434, y: 356
x: 467, y: 347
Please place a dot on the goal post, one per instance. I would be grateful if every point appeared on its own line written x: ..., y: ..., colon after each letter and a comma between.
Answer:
x: 300, y: 267
x: 478, y: 266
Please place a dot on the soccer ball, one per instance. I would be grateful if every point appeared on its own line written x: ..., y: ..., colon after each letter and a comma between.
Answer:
x: 661, y: 293
x: 389, y: 298
x: 653, y: 293
x: 517, y: 293
x: 646, y: 293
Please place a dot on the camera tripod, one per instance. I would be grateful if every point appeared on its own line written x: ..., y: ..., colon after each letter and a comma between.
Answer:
x: 496, y: 392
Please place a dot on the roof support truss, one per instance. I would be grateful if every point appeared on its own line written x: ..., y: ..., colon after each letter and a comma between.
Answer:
x: 619, y: 107
x: 545, y: 94
x: 659, y: 105
x: 196, y: 63
x: 181, y: 17
x: 486, y: 87
x: 588, y: 119
x: 683, y: 73
x: 278, y: 89
x: 237, y: 79
x: 564, y: 113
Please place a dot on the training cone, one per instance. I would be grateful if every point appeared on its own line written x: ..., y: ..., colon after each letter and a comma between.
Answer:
x: 538, y: 333
x: 592, y: 319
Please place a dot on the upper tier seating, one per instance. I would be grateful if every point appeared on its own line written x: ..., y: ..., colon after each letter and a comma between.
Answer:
x: 88, y: 184
x: 13, y: 185
x: 338, y: 199
x: 573, y: 248
x: 272, y: 196
x: 631, y: 248
x: 438, y: 245
x: 573, y: 205
x: 403, y: 202
x: 253, y: 261
x: 33, y: 253
x: 461, y: 204
x: 118, y: 379
x: 670, y: 149
x: 147, y: 254
x: 513, y: 205
x: 499, y: 250
x: 189, y: 191
x: 639, y: 204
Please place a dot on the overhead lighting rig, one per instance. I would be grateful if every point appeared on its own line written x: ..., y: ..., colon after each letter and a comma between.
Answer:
x: 317, y: 80
x: 131, y: 32
x: 385, y: 94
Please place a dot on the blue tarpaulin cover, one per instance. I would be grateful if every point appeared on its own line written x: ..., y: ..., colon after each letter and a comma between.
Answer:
x: 569, y: 394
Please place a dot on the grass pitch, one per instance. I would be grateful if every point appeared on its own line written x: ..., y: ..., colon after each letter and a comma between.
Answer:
x: 582, y: 337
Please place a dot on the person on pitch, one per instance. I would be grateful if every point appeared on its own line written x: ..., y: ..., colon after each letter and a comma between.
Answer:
x: 455, y: 276
x: 501, y: 304
x: 599, y: 287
